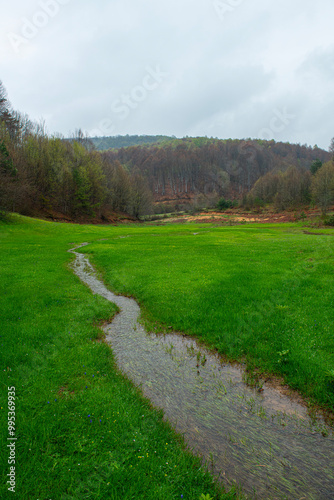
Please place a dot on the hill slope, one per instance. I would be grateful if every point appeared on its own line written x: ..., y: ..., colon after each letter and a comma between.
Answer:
x: 180, y: 170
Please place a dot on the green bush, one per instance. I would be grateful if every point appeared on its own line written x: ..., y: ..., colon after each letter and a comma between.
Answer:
x: 3, y: 214
x: 225, y: 204
x: 329, y: 221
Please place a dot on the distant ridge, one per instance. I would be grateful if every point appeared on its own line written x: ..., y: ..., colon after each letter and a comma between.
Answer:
x: 125, y: 141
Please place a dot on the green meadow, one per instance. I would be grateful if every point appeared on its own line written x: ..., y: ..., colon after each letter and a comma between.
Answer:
x: 83, y: 430
x: 258, y: 293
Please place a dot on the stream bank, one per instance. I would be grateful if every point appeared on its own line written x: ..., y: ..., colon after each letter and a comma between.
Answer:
x: 263, y: 441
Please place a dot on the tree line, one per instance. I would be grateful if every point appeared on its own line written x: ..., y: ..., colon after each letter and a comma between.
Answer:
x: 39, y: 173
x: 125, y: 141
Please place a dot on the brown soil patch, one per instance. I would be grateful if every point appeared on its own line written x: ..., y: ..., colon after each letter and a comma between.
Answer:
x: 235, y: 217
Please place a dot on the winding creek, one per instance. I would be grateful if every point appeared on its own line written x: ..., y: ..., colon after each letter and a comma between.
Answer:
x: 263, y: 441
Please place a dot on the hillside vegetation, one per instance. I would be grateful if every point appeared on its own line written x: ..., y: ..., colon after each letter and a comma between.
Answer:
x: 202, y: 170
x: 71, y: 180
x: 51, y: 176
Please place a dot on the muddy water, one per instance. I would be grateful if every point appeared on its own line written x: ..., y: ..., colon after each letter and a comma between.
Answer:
x: 260, y: 440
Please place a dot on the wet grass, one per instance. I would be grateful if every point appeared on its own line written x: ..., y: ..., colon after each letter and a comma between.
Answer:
x: 83, y: 430
x: 263, y: 293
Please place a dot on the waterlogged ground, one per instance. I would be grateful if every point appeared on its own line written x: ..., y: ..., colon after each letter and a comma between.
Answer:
x: 260, y: 440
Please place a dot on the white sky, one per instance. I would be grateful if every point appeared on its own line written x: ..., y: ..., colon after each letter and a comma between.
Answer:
x: 221, y: 68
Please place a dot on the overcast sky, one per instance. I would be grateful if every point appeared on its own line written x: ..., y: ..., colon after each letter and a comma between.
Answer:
x: 229, y: 68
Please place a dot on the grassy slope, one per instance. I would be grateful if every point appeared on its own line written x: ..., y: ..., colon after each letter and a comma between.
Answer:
x: 265, y: 291
x: 83, y: 430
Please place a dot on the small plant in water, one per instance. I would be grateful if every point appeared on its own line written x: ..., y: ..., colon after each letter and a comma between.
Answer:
x: 262, y: 412
x: 200, y: 360
x: 205, y: 497
x: 212, y: 460
x: 252, y: 379
x: 169, y: 349
x: 191, y: 350
x: 325, y: 432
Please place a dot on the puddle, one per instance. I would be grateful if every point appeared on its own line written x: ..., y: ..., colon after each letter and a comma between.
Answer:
x: 261, y: 440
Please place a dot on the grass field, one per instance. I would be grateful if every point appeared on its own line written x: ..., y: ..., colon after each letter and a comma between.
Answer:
x: 260, y: 292
x: 83, y: 431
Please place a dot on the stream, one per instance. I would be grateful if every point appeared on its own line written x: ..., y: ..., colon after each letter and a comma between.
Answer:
x: 263, y: 441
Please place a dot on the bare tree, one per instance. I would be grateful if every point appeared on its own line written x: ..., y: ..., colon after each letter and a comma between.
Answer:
x: 4, y: 103
x: 84, y: 139
x: 7, y: 115
x: 331, y: 148
x: 140, y: 196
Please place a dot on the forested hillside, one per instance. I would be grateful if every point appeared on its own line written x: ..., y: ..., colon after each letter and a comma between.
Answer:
x: 51, y: 176
x: 181, y: 170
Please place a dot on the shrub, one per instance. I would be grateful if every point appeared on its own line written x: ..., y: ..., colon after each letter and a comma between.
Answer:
x: 225, y: 204
x: 3, y: 214
x: 329, y: 221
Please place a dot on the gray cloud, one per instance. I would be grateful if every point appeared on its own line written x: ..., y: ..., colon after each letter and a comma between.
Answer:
x: 230, y: 66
